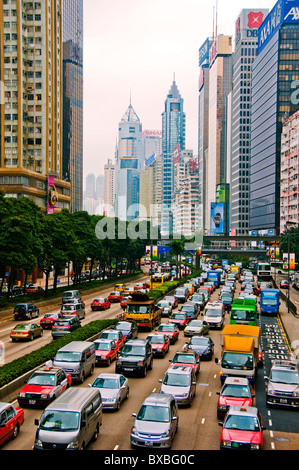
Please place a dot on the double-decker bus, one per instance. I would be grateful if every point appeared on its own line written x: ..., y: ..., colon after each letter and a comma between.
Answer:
x: 264, y: 272
x: 158, y: 280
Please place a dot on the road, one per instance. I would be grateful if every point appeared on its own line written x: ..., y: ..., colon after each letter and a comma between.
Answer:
x: 198, y: 425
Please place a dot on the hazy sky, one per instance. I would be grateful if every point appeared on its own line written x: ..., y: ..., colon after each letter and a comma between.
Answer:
x: 135, y: 47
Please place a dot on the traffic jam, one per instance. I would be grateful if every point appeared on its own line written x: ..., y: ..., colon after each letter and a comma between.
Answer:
x: 227, y: 316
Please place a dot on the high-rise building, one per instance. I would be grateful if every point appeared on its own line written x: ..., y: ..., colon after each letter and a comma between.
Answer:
x: 152, y: 144
x: 203, y: 125
x: 31, y: 119
x: 274, y: 99
x: 150, y: 191
x: 289, y: 172
x: 109, y: 187
x: 220, y: 84
x: 129, y: 163
x: 173, y: 135
x: 72, y: 36
x: 246, y: 37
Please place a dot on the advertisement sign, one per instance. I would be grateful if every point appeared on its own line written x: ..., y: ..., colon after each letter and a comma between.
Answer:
x: 150, y: 160
x: 204, y: 51
x: 285, y: 11
x: 285, y: 261
x: 52, y: 194
x: 292, y: 261
x: 217, y: 218
x: 176, y: 154
x: 248, y: 23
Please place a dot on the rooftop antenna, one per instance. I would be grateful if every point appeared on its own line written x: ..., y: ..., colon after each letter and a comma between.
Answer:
x: 213, y: 23
x: 216, y: 18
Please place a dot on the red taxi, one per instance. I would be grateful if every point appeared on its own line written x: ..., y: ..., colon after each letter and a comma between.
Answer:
x: 44, y: 386
x: 236, y: 391
x: 160, y: 344
x: 186, y: 357
x: 115, y: 335
x: 33, y: 289
x: 242, y: 429
x: 139, y: 286
x: 180, y: 319
x: 48, y: 320
x: 11, y: 420
x: 106, y: 351
x: 171, y: 330
x: 115, y: 297
x: 100, y: 304
x: 123, y: 303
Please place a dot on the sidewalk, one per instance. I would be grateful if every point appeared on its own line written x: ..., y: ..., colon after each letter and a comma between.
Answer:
x: 291, y: 325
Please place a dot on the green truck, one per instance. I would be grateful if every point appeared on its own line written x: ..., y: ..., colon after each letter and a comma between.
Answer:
x: 244, y: 311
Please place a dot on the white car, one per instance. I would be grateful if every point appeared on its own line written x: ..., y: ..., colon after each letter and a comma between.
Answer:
x: 213, y: 314
x: 196, y: 327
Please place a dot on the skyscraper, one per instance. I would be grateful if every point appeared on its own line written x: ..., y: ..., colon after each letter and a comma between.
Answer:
x: 173, y: 134
x: 247, y: 24
x: 72, y: 36
x: 109, y: 187
x: 274, y: 99
x: 129, y: 163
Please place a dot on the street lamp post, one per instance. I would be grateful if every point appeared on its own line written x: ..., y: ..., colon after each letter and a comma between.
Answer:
x: 289, y: 224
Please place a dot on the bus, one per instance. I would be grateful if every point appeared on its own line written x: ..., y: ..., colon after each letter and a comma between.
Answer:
x: 243, y: 311
x: 264, y: 272
x: 158, y: 280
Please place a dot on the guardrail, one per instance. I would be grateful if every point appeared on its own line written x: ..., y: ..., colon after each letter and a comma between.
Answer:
x: 290, y: 305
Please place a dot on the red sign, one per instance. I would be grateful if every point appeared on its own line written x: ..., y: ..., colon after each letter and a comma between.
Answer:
x: 176, y: 154
x: 255, y: 19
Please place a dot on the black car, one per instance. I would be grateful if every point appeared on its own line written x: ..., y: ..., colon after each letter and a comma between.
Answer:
x: 65, y: 326
x: 203, y: 345
x: 136, y: 356
x: 128, y: 327
x: 25, y: 311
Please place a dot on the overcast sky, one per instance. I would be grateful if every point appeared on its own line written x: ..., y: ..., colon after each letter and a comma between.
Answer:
x: 135, y: 47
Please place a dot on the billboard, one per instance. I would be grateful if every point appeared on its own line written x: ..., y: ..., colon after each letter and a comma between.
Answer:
x: 204, y: 52
x: 285, y: 11
x: 248, y: 23
x: 217, y: 218
x: 52, y: 195
x: 176, y: 154
x: 150, y: 160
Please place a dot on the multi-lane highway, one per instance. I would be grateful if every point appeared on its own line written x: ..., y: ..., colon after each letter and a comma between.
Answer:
x: 198, y: 425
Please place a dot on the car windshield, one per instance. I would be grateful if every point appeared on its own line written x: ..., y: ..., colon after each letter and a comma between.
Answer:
x: 68, y: 308
x: 242, y: 423
x: 238, y: 391
x: 269, y: 302
x: 163, y: 304
x: 137, y: 309
x: 160, y: 414
x: 133, y: 350
x: 166, y: 328
x: 102, y: 346
x: 211, y: 312
x: 123, y: 326
x: 109, y: 335
x: 67, y: 356
x: 106, y: 382
x: 178, y: 316
x: 184, y: 358
x: 199, y: 340
x: 237, y: 361
x: 285, y: 377
x: 244, y: 315
x: 187, y: 308
x: 99, y: 300
x: 60, y: 421
x: 157, y: 339
x: 62, y: 323
x: 197, y: 298
x: 180, y: 291
x: 42, y: 379
x: 22, y: 327
x: 177, y: 380
x: 197, y: 323
x: 51, y: 315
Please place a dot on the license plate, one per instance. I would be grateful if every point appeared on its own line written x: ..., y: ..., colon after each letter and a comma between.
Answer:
x: 128, y: 369
x: 32, y: 402
x: 60, y: 329
x: 283, y: 400
x: 148, y: 443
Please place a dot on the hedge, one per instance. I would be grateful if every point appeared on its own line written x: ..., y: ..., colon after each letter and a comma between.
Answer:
x: 18, y: 367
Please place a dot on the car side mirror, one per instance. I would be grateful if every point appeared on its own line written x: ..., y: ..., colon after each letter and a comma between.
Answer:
x: 134, y: 415
x: 216, y: 360
x: 36, y: 422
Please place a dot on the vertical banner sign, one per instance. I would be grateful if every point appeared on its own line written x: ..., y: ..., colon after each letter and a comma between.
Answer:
x: 52, y: 195
x: 285, y: 260
x: 292, y: 261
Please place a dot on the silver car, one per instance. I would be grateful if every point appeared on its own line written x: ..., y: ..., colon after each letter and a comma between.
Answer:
x: 114, y: 389
x: 156, y: 423
x: 180, y: 382
x: 282, y: 385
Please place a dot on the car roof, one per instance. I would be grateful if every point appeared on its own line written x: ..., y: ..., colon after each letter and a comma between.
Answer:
x: 180, y: 369
x: 73, y: 399
x: 241, y: 410
x: 290, y: 364
x: 236, y: 381
x: 136, y: 341
x: 158, y: 399
x: 4, y: 405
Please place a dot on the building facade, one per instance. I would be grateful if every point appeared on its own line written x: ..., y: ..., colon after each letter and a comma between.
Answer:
x: 72, y: 161
x: 109, y: 187
x: 289, y: 172
x: 173, y: 134
x: 31, y: 119
x: 246, y: 42
x: 274, y: 75
x: 151, y: 191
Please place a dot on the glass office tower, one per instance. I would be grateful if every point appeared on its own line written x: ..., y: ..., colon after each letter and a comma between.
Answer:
x: 173, y: 134
x: 72, y: 36
x: 274, y: 75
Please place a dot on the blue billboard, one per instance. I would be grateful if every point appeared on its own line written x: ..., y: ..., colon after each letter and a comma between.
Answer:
x: 217, y: 218
x: 204, y: 52
x: 284, y: 12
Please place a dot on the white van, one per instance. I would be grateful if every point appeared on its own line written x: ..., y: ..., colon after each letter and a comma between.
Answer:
x: 77, y: 358
x: 71, y: 421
